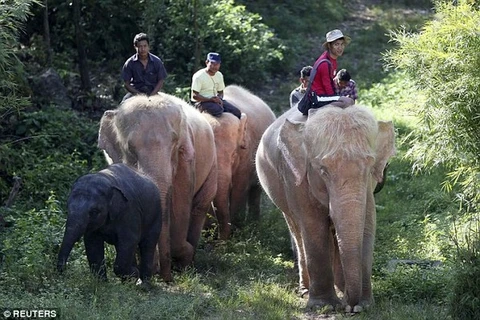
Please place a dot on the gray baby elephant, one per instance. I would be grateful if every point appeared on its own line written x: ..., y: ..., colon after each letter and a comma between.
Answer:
x: 119, y: 206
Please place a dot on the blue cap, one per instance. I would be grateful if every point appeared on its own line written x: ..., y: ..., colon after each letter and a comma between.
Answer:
x: 214, y: 57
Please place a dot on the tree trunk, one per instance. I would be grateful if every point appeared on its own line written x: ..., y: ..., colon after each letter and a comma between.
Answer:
x: 17, y: 181
x: 82, y: 56
x: 46, y: 35
x: 198, y: 48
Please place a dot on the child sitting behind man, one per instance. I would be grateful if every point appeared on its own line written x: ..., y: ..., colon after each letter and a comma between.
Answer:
x: 344, y: 85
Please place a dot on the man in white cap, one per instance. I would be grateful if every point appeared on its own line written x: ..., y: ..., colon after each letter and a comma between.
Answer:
x: 208, y: 86
x: 326, y: 67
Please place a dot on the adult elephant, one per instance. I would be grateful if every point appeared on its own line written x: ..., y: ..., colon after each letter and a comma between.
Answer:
x: 172, y: 142
x: 236, y: 142
x: 321, y: 171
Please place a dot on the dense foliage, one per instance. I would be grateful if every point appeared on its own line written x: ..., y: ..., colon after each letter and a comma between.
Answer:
x: 12, y: 15
x: 246, y: 44
x: 110, y: 25
x: 182, y: 33
x: 443, y: 63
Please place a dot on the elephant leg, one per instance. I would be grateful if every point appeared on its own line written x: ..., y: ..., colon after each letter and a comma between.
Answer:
x: 254, y: 196
x: 367, y: 260
x: 146, y: 261
x: 94, y: 247
x: 239, y: 196
x: 202, y: 202
x: 181, y: 249
x: 316, y: 229
x: 164, y: 248
x: 222, y: 212
x: 304, y: 280
x: 147, y: 253
x: 293, y: 246
x: 125, y: 265
x: 196, y: 226
x: 182, y: 204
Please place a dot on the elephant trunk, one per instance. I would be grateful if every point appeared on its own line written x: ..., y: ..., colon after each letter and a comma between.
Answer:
x: 162, y: 177
x: 164, y: 180
x: 348, y: 217
x: 73, y: 232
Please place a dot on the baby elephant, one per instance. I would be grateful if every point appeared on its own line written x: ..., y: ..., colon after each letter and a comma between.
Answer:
x: 121, y: 207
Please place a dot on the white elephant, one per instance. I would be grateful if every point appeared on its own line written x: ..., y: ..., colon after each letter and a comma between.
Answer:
x: 170, y: 141
x: 236, y: 141
x: 321, y: 171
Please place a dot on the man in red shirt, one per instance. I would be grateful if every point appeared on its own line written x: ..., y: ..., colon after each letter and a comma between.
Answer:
x: 323, y: 84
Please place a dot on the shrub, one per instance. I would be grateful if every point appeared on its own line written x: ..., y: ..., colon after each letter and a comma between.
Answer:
x: 442, y: 61
x: 410, y: 284
x: 464, y: 298
x: 52, y: 147
x: 465, y: 290
x: 12, y: 17
x: 30, y: 246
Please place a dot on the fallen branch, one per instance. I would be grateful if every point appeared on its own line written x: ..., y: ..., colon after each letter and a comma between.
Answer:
x: 17, y: 181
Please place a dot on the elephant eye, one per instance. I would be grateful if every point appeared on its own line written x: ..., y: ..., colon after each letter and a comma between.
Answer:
x: 318, y: 166
x: 323, y: 171
x: 175, y: 137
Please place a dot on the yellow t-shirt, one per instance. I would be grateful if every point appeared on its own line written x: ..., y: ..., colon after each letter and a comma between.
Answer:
x: 207, y: 85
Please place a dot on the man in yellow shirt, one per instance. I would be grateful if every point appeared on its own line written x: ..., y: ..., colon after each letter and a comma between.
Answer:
x: 208, y: 86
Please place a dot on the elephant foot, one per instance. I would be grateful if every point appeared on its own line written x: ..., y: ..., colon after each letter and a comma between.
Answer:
x: 166, y: 276
x: 326, y: 305
x: 126, y: 274
x: 360, y: 307
x: 303, y: 292
x: 355, y: 309
x: 61, y: 268
x: 144, y: 285
x: 181, y: 264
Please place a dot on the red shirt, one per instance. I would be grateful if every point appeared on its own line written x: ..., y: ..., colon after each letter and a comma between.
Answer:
x: 323, y: 82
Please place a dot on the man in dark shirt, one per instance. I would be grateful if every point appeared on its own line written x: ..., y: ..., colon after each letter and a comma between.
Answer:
x: 143, y: 73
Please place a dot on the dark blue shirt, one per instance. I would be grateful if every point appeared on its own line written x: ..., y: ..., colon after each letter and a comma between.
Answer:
x: 144, y: 79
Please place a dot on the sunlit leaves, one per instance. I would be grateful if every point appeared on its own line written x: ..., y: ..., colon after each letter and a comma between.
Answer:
x: 443, y: 62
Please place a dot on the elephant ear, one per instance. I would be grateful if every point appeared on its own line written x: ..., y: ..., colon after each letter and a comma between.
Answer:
x: 107, y: 138
x: 242, y: 131
x: 385, y: 148
x: 291, y: 145
x: 117, y: 203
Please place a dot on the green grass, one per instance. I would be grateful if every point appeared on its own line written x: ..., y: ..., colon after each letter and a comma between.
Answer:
x: 251, y: 276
